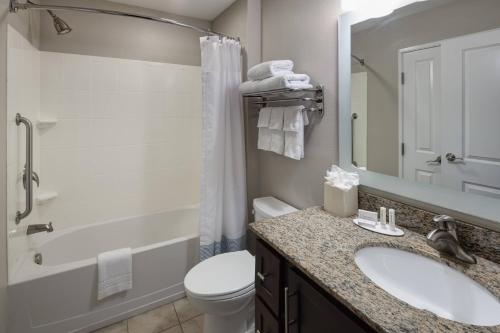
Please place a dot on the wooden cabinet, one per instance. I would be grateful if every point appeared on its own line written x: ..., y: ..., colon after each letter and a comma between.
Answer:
x: 289, y: 302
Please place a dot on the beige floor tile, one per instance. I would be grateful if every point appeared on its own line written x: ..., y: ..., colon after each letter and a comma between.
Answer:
x: 191, y: 326
x: 120, y: 327
x: 176, y: 329
x: 199, y: 321
x: 185, y: 310
x: 154, y: 321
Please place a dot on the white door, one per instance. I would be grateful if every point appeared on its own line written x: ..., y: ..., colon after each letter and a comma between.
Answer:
x: 359, y: 117
x: 421, y: 89
x: 471, y: 113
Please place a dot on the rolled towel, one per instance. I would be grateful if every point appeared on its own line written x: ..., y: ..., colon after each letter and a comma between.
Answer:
x: 114, y: 271
x: 289, y: 81
x: 264, y: 117
x: 269, y: 69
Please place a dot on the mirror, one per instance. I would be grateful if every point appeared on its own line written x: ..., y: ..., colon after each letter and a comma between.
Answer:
x: 425, y: 95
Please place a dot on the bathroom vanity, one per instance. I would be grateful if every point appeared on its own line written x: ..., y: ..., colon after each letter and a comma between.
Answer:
x: 307, y: 279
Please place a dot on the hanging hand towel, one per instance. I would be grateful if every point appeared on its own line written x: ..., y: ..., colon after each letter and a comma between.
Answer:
x: 294, y: 133
x: 264, y: 139
x: 276, y: 120
x: 290, y: 81
x: 270, y: 69
x: 264, y: 117
x: 277, y: 141
x: 114, y: 270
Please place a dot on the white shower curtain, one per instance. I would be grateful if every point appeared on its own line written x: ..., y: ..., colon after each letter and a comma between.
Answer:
x: 223, y: 183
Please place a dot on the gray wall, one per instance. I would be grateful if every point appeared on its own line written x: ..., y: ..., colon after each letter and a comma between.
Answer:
x: 379, y: 47
x: 305, y: 32
x: 122, y: 37
x: 28, y: 25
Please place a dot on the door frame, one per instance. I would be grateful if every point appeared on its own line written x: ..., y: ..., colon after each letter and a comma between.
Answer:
x: 401, y: 53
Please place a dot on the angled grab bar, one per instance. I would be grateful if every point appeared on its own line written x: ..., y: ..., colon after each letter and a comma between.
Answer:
x: 28, y: 176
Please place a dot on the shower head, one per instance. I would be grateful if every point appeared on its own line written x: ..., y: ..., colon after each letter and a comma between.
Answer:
x: 61, y: 27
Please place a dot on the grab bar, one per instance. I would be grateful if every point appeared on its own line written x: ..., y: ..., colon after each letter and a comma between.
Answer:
x: 28, y: 175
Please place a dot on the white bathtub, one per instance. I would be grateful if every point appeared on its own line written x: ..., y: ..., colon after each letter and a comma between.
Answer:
x: 60, y: 295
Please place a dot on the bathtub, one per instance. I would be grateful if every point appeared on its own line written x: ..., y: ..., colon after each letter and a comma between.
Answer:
x: 60, y: 294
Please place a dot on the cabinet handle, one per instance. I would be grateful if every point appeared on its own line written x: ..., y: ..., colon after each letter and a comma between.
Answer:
x: 261, y: 276
x: 257, y: 331
x: 286, y: 309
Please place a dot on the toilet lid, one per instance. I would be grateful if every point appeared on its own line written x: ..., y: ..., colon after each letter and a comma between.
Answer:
x: 222, y: 275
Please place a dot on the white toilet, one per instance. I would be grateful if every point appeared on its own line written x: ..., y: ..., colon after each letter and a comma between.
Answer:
x: 222, y: 287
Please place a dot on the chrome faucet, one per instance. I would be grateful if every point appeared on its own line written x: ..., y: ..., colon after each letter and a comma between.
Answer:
x: 445, y: 240
x: 36, y: 228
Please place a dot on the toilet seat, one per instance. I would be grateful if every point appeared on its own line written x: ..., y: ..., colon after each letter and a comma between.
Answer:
x: 224, y: 276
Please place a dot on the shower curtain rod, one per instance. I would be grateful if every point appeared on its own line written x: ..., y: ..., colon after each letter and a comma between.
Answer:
x: 15, y: 6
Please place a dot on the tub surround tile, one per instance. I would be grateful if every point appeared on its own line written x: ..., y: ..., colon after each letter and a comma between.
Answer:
x: 480, y: 241
x: 322, y: 246
x: 154, y: 321
x: 185, y: 310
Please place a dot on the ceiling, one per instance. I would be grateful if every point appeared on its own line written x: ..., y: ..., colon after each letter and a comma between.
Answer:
x: 201, y: 9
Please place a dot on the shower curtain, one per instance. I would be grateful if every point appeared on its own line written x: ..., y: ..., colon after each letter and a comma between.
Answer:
x: 223, y: 183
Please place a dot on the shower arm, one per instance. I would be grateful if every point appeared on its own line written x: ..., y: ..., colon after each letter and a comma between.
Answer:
x: 15, y: 6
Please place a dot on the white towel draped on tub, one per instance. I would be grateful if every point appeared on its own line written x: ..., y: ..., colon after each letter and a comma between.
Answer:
x: 289, y: 81
x: 270, y: 69
x: 114, y: 272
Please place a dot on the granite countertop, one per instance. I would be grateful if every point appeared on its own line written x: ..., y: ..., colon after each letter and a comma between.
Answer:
x: 322, y: 246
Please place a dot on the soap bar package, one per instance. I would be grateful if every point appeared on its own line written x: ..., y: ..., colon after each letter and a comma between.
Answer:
x: 342, y: 203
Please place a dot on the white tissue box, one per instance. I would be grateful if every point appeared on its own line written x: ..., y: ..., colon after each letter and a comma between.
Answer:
x: 340, y: 203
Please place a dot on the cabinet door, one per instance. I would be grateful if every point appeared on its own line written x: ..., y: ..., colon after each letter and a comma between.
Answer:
x: 309, y: 311
x: 265, y: 322
x: 267, y: 276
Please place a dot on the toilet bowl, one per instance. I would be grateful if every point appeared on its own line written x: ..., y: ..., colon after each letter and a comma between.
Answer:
x: 222, y: 287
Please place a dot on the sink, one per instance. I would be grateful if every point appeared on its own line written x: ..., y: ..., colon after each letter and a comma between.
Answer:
x: 427, y: 284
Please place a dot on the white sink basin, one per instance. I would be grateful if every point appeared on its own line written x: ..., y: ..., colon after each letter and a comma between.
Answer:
x: 430, y: 285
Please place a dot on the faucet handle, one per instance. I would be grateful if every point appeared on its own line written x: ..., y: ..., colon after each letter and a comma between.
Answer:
x: 446, y: 223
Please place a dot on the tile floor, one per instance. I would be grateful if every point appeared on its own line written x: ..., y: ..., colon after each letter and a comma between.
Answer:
x: 178, y: 317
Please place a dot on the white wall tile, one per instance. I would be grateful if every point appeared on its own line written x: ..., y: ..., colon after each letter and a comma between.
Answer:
x: 128, y: 140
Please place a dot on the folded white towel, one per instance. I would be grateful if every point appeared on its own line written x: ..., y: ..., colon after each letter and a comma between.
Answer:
x: 264, y: 139
x: 264, y: 117
x: 114, y: 270
x: 276, y: 120
x: 270, y: 69
x: 277, y: 141
x: 290, y: 81
x: 291, y: 115
x: 294, y: 133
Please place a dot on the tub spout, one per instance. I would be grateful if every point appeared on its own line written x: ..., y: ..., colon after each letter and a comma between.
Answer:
x: 36, y: 228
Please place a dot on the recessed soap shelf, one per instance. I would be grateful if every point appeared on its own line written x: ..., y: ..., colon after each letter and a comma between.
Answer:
x: 378, y: 228
x: 45, y: 123
x: 45, y: 197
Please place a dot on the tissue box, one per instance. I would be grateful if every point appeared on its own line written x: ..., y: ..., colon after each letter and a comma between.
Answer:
x: 341, y: 203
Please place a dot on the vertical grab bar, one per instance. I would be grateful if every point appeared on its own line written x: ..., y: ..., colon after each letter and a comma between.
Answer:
x: 28, y: 168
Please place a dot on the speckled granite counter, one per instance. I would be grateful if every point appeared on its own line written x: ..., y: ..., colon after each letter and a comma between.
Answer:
x: 322, y: 246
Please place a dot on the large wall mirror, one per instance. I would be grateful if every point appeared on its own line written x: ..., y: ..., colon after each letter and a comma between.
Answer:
x: 420, y: 104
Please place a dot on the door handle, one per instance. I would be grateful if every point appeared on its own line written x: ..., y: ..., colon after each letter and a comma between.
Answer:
x: 436, y: 161
x: 453, y: 158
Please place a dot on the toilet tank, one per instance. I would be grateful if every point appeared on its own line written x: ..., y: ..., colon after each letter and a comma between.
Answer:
x: 268, y: 207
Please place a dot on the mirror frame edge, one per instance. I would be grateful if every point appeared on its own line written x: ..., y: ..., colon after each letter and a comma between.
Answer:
x: 475, y: 210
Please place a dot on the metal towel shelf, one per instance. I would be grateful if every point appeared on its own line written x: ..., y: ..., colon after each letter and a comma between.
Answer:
x: 316, y: 102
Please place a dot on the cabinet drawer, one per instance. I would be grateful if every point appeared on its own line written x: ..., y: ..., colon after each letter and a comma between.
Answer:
x: 267, y: 276
x: 265, y: 322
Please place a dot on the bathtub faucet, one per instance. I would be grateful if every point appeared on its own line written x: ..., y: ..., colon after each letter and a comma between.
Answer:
x: 36, y: 228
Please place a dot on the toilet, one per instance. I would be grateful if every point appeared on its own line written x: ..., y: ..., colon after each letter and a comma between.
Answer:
x: 222, y: 287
